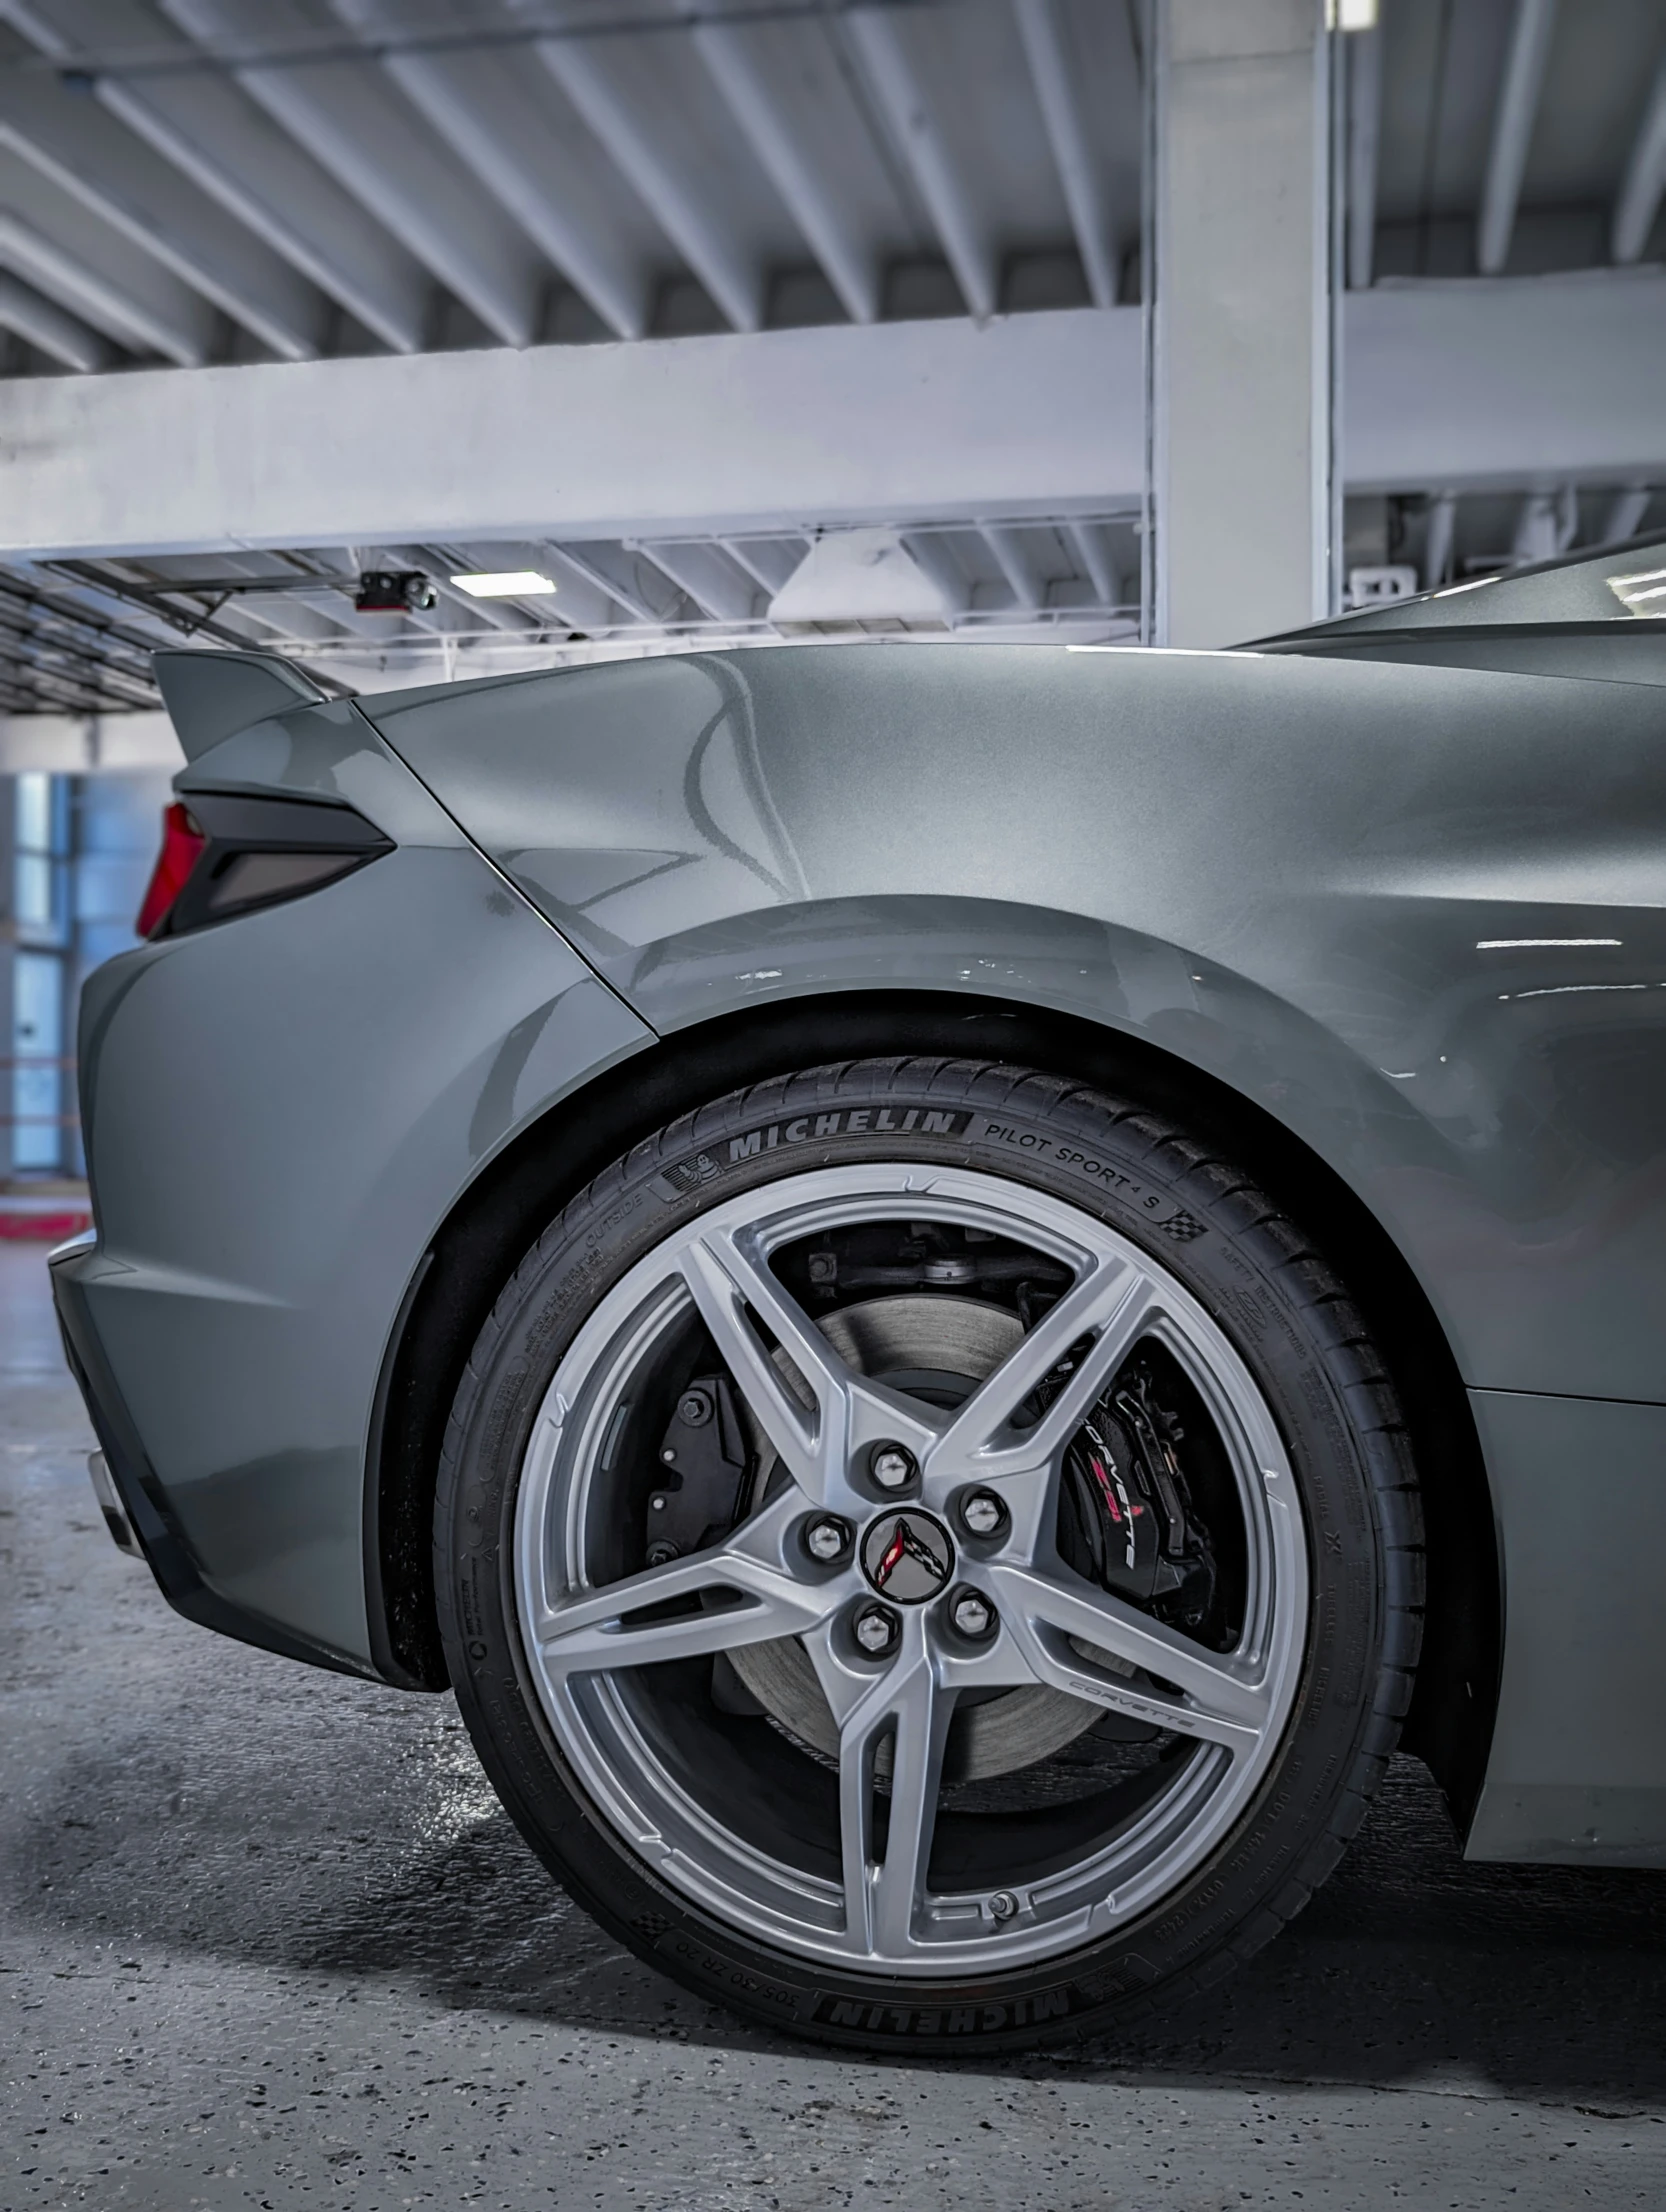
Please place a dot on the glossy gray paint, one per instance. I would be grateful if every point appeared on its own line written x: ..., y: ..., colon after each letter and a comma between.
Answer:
x: 1578, y: 1766
x: 1278, y: 868
x: 281, y: 1110
x: 1288, y: 869
x: 1604, y: 651
x: 210, y: 696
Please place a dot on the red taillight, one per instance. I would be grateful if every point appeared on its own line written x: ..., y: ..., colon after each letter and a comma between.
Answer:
x: 182, y: 841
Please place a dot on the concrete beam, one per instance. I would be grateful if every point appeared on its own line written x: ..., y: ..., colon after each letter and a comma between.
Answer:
x: 1645, y: 177
x: 662, y: 439
x: 130, y: 186
x: 52, y: 328
x: 1502, y: 382
x: 481, y: 106
x: 846, y: 258
x: 1365, y: 116
x: 1525, y: 62
x: 1071, y: 136
x: 68, y: 251
x: 677, y: 201
x: 356, y: 127
x: 881, y: 42
x: 1455, y: 385
x: 210, y: 131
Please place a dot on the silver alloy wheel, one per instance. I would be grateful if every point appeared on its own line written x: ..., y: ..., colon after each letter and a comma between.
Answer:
x: 760, y: 1583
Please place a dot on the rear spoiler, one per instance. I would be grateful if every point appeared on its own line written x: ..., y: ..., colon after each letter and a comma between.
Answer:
x: 209, y: 695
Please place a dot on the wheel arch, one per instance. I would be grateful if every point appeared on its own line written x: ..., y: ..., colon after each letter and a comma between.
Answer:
x: 486, y: 1233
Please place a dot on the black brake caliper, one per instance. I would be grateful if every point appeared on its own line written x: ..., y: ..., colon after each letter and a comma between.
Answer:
x: 703, y: 1458
x: 1127, y: 1521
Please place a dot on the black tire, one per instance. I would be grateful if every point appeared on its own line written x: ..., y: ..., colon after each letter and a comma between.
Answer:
x: 1292, y: 1323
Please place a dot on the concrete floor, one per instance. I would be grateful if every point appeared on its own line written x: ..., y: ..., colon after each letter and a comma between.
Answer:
x: 265, y: 1940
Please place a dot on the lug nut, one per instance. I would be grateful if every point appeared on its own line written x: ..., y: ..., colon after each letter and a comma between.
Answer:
x: 982, y: 1513
x: 971, y: 1614
x: 876, y: 1630
x: 891, y: 1467
x: 827, y: 1539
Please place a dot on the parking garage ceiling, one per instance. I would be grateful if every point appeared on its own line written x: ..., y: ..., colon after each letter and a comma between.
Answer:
x: 187, y: 184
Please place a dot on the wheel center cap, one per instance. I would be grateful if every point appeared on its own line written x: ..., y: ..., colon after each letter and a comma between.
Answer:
x: 907, y: 1556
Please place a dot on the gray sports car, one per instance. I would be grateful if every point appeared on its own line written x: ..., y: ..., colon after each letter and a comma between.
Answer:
x: 949, y: 1286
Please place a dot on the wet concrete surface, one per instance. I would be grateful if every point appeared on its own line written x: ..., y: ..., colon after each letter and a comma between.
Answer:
x: 265, y: 1940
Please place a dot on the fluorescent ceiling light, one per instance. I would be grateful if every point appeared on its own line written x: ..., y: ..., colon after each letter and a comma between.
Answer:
x: 508, y: 583
x: 1352, y: 15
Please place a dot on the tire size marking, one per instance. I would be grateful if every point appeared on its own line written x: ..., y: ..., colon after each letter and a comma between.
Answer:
x: 729, y: 1974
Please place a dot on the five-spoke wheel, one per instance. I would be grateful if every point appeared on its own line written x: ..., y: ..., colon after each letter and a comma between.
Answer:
x: 906, y: 1619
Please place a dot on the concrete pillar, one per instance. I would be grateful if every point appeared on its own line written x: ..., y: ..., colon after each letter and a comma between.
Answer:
x: 1242, y: 251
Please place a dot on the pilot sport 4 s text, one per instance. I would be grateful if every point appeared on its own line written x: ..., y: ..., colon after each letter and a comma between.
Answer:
x: 949, y: 1287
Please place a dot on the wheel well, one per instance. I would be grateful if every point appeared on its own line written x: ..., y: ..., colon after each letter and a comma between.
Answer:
x: 488, y: 1231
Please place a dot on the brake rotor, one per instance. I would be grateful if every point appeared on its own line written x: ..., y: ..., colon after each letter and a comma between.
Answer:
x: 939, y: 1349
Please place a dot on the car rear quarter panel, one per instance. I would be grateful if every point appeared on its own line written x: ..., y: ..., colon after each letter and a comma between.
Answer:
x: 1418, y: 914
x: 280, y: 1111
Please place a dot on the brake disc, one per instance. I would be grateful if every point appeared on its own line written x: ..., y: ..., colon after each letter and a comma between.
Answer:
x: 939, y: 1349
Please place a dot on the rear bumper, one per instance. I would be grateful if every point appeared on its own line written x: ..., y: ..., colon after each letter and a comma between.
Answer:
x: 142, y: 1497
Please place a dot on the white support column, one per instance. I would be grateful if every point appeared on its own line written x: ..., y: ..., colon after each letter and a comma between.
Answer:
x: 1242, y: 281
